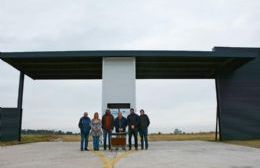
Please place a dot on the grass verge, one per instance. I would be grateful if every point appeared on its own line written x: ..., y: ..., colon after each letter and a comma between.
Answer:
x: 182, y: 137
x: 42, y: 138
x: 249, y: 143
x: 152, y: 138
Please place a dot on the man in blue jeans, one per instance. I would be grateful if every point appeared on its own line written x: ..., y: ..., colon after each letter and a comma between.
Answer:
x: 143, y: 129
x: 108, y: 126
x: 84, y: 125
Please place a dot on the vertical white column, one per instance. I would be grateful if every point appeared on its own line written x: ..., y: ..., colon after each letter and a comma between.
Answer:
x: 118, y: 81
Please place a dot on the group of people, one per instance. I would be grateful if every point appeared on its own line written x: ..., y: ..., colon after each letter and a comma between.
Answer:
x: 105, y: 126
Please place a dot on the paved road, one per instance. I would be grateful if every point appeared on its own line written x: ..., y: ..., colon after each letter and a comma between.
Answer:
x: 182, y: 154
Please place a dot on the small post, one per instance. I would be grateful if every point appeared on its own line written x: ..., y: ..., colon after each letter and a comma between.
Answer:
x: 20, y: 101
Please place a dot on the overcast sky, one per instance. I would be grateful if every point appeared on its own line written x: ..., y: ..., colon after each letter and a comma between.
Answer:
x: 41, y: 25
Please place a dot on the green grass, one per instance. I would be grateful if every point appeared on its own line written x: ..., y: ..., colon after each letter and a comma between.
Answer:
x: 152, y: 137
x: 182, y: 137
x: 249, y: 143
x: 31, y: 139
x: 203, y: 137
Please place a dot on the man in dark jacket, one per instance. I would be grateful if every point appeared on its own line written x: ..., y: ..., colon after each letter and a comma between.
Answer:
x: 133, y: 124
x: 120, y: 123
x: 108, y: 126
x: 120, y: 126
x: 84, y: 125
x: 143, y: 129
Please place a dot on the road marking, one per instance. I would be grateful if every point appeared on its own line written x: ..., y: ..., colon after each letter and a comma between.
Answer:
x: 110, y: 163
x: 121, y: 156
x: 102, y: 157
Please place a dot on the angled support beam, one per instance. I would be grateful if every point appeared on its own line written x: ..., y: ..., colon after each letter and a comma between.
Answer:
x: 20, y: 101
x: 218, y: 127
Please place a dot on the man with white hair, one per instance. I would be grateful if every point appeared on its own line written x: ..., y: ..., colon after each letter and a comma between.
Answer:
x: 84, y: 125
x: 120, y: 123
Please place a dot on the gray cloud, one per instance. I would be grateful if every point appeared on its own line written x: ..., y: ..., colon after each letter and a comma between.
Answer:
x: 31, y: 25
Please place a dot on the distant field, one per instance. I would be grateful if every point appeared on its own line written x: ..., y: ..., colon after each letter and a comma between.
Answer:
x: 152, y: 137
x: 75, y: 138
x: 250, y: 143
x: 182, y: 137
x: 43, y: 138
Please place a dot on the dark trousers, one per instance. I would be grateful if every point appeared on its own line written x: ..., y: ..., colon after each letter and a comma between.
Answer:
x: 107, y: 135
x: 131, y: 133
x: 143, y: 134
x: 84, y: 140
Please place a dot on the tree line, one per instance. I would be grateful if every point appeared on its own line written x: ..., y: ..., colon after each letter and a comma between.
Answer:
x: 46, y: 132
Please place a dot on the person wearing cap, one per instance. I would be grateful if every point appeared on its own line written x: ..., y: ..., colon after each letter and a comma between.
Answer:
x: 133, y: 124
x: 143, y: 129
x: 84, y: 125
x: 108, y: 126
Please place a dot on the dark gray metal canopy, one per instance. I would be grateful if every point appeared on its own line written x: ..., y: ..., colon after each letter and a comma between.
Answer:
x: 151, y: 64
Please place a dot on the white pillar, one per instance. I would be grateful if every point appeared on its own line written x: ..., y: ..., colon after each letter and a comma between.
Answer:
x: 118, y: 84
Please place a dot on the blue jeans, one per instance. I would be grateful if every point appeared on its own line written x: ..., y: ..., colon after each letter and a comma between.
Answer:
x: 107, y: 134
x: 96, y: 142
x: 143, y: 134
x: 84, y: 140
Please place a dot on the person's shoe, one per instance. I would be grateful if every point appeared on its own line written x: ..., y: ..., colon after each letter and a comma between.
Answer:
x: 136, y: 148
x: 130, y: 148
x: 81, y: 149
x: 86, y: 149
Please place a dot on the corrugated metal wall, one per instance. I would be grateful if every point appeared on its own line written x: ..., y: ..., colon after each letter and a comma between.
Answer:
x: 9, y: 124
x: 239, y: 102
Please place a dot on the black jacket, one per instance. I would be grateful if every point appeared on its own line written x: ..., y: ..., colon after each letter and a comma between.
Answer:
x: 133, y: 119
x: 144, y: 122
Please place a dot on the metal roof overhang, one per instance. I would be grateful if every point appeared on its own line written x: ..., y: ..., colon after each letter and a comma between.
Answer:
x: 151, y: 64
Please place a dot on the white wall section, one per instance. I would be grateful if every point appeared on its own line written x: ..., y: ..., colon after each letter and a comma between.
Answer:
x: 119, y: 78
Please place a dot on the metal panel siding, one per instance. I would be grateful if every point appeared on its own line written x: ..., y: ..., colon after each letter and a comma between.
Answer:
x: 9, y: 124
x: 240, y: 100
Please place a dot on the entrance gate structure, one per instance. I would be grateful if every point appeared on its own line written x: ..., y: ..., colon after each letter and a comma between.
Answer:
x: 235, y: 70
